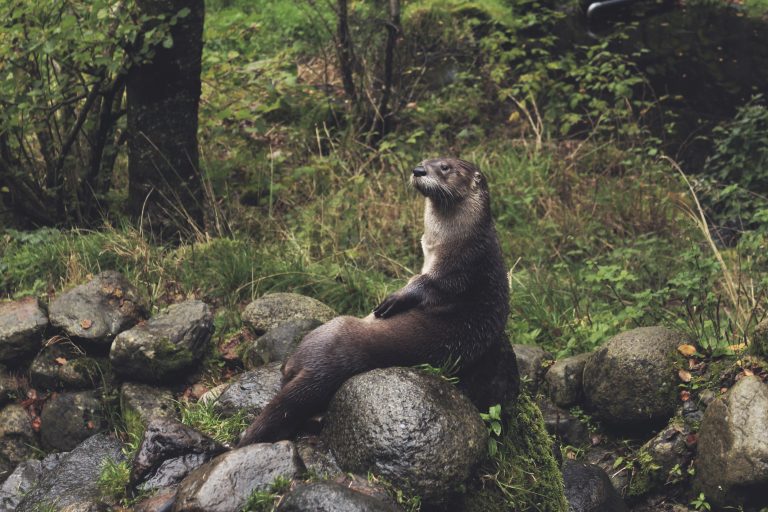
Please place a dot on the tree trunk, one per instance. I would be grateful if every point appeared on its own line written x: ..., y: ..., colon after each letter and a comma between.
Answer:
x: 165, y: 186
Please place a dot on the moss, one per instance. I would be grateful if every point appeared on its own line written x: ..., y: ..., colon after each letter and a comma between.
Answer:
x: 523, y: 475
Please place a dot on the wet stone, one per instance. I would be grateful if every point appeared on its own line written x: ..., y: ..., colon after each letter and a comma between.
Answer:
x: 562, y: 424
x: 531, y: 361
x: 415, y: 430
x: 564, y: 380
x: 70, y: 418
x: 165, y: 346
x: 277, y: 343
x: 225, y: 483
x: 317, y: 457
x: 251, y: 392
x: 588, y: 489
x: 22, y: 324
x: 146, y: 402
x: 98, y: 310
x: 73, y: 483
x: 169, y: 450
x: 273, y: 309
x: 17, y: 438
x: 63, y: 365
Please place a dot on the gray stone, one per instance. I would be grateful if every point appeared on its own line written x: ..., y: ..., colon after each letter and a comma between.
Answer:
x: 331, y: 497
x: 273, y: 309
x: 165, y: 346
x: 63, y: 365
x: 588, y: 489
x: 73, y: 483
x: 168, y: 452
x: 667, y: 449
x: 17, y: 438
x: 23, y: 478
x: 277, y: 343
x: 415, y: 430
x: 631, y: 381
x: 225, y: 483
x: 22, y: 324
x: 562, y: 424
x: 162, y: 501
x: 251, y: 392
x: 146, y: 402
x: 317, y: 457
x: 531, y: 364
x: 564, y: 380
x: 732, y: 461
x: 70, y: 418
x: 98, y: 310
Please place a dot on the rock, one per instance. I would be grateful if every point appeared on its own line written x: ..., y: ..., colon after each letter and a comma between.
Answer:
x: 251, y: 392
x: 666, y: 450
x: 273, y: 309
x: 631, y: 381
x: 732, y: 461
x: 146, y: 402
x: 17, y: 438
x: 74, y: 482
x: 605, y: 458
x: 165, y: 346
x: 213, y: 394
x: 225, y: 483
x: 168, y: 452
x: 63, y: 365
x: 317, y: 457
x: 588, y: 489
x: 531, y: 362
x: 70, y: 418
x: 23, y: 478
x: 331, y: 497
x: 277, y: 343
x: 564, y: 380
x: 98, y: 310
x: 22, y: 324
x: 415, y: 430
x: 562, y: 424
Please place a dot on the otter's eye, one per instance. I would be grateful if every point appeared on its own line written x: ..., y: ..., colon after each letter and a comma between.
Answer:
x: 444, y: 167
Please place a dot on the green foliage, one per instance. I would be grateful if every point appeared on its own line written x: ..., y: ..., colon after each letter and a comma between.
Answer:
x: 113, y: 479
x: 202, y: 416
x: 700, y: 503
x: 267, y: 500
x: 493, y: 420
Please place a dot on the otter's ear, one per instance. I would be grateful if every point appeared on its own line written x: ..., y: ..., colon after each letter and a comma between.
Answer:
x: 478, y: 178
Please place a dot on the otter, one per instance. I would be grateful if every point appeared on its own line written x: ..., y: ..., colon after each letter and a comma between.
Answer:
x: 454, y: 310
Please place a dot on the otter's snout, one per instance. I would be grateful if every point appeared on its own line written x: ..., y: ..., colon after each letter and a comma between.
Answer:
x: 419, y: 171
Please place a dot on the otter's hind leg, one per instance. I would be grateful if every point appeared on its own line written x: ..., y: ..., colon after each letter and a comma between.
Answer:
x: 300, y: 398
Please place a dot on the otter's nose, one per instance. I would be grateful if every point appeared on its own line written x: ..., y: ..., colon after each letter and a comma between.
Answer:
x: 419, y: 171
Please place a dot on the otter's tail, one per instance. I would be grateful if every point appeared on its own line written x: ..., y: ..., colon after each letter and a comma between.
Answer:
x: 301, y: 397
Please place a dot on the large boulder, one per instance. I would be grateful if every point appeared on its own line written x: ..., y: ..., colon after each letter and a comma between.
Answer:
x: 250, y: 392
x: 588, y: 489
x: 168, y: 452
x: 415, y: 430
x: 73, y: 484
x: 225, y: 483
x: 22, y: 324
x: 273, y: 309
x: 331, y: 497
x: 277, y: 343
x: 70, y: 418
x: 732, y: 461
x: 631, y: 381
x: 564, y: 380
x: 24, y: 478
x: 98, y: 310
x: 165, y: 346
x: 63, y: 365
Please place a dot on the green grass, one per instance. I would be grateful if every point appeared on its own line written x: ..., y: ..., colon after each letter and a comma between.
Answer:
x: 202, y: 416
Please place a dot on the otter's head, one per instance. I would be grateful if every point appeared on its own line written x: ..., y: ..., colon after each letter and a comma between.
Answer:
x: 448, y: 181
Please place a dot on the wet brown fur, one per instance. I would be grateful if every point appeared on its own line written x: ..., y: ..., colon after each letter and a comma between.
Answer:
x: 455, y: 309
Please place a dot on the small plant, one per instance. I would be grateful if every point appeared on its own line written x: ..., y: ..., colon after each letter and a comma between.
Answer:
x: 447, y: 370
x: 409, y: 502
x: 700, y: 503
x: 267, y: 500
x: 114, y: 478
x: 493, y: 420
x: 202, y: 416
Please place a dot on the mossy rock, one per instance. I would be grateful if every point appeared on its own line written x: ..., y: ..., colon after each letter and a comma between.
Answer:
x: 525, y: 473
